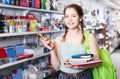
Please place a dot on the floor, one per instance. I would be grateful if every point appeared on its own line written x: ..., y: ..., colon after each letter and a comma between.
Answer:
x: 115, y: 56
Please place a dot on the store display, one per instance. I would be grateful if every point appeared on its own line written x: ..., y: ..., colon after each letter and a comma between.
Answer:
x: 18, y: 25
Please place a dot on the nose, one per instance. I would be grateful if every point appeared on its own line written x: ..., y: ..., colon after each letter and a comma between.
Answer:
x: 69, y: 18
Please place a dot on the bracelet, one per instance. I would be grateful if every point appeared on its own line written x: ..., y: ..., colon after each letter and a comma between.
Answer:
x: 52, y: 49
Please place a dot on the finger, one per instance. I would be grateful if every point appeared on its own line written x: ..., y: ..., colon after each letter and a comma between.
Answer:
x: 45, y: 39
x: 68, y: 65
x: 40, y: 34
x: 66, y: 60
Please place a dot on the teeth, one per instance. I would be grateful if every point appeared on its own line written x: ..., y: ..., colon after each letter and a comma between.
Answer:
x: 70, y: 24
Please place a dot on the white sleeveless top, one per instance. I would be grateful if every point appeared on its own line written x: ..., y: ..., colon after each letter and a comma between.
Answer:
x: 66, y: 51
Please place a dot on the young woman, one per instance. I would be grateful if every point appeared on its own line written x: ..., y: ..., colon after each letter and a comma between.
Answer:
x: 71, y: 43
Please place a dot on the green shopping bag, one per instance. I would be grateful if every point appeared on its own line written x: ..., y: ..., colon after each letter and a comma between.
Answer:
x: 106, y: 70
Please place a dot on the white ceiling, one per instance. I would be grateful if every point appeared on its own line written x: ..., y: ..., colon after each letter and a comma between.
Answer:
x: 115, y: 4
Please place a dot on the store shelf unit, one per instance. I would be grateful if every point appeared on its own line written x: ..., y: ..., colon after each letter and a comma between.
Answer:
x: 27, y: 8
x: 22, y: 61
x: 18, y: 36
x: 28, y: 33
x: 8, y: 68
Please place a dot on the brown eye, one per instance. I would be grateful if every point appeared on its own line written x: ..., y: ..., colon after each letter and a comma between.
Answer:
x: 66, y: 17
x: 74, y: 16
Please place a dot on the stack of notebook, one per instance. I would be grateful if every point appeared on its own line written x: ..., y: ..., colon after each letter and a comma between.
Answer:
x: 83, y: 59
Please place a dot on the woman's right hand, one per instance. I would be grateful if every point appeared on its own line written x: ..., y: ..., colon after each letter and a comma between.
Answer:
x: 47, y: 43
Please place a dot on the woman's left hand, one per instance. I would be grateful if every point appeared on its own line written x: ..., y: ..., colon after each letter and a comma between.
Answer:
x: 68, y: 65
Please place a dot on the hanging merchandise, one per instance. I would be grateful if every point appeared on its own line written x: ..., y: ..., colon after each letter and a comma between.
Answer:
x: 1, y: 1
x: 17, y: 74
x: 6, y: 2
x: 24, y: 24
x: 8, y: 76
x: 6, y: 27
x: 19, y: 27
x: 43, y: 5
x: 17, y: 2
x: 2, y: 24
x: 11, y: 26
x: 21, y: 2
x: 32, y: 72
x: 36, y: 3
x: 10, y: 51
x: 32, y: 26
x: 12, y: 2
x: 26, y: 3
x: 48, y: 4
x: 54, y: 5
x: 32, y: 3
x: 3, y: 53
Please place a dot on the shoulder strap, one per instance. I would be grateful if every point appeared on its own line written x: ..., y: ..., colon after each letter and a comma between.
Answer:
x: 86, y: 41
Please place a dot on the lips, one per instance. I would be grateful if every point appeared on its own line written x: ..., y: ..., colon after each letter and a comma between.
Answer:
x: 71, y: 24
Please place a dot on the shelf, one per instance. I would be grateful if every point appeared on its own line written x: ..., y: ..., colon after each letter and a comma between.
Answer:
x: 27, y: 33
x: 27, y: 8
x: 21, y: 61
x: 16, y: 64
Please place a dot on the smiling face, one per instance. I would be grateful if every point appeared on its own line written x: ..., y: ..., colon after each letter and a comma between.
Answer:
x: 72, y: 19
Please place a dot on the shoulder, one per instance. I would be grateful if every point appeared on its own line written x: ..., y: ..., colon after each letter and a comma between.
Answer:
x: 58, y: 39
x: 87, y: 31
x: 89, y: 34
x: 92, y: 36
x: 57, y: 42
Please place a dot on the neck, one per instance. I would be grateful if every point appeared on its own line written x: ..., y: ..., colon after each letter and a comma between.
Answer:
x: 74, y: 31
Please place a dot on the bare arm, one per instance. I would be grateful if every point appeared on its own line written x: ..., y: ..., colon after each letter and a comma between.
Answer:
x: 55, y: 54
x: 93, y: 46
x: 54, y: 47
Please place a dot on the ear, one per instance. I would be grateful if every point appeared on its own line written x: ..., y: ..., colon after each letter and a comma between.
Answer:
x: 81, y: 19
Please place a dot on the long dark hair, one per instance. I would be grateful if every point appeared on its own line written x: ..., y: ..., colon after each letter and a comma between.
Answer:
x: 79, y: 10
